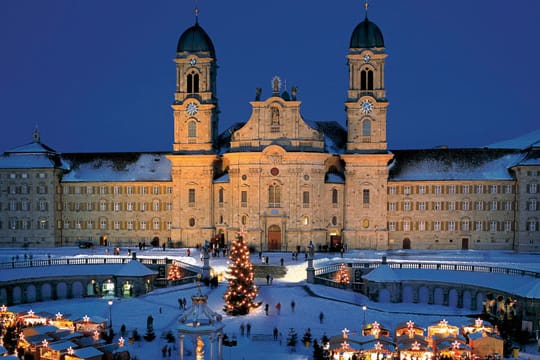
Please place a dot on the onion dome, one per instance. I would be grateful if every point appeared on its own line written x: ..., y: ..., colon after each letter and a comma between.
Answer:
x: 367, y: 35
x: 195, y: 40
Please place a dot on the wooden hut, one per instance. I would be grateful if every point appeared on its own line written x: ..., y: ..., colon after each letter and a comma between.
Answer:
x: 484, y: 344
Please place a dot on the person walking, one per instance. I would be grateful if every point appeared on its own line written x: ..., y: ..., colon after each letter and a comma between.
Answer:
x: 275, y: 333
x: 278, y: 308
x: 267, y: 279
x: 293, y: 304
x: 242, y: 329
x: 266, y: 306
x: 248, y: 329
x: 321, y: 317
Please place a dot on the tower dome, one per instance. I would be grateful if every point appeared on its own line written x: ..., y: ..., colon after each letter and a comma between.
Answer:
x: 195, y: 39
x: 367, y: 35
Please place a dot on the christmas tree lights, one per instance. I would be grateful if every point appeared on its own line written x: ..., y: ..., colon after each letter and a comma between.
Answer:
x: 240, y: 295
x: 343, y: 275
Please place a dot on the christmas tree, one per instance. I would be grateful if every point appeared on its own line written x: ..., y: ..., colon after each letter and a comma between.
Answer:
x: 240, y: 295
x: 175, y: 272
x: 343, y: 275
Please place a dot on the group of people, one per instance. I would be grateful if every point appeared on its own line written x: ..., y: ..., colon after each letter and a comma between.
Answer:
x: 245, y: 329
x: 182, y: 303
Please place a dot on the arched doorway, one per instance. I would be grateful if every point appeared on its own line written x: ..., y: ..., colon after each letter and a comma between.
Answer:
x: 274, y: 237
x: 406, y: 243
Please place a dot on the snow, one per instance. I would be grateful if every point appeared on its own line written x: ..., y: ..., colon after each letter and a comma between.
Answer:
x: 522, y: 142
x: 117, y: 167
x: 341, y: 308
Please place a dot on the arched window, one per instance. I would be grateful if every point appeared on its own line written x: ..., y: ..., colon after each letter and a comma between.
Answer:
x: 366, y: 127
x: 274, y: 196
x: 334, y: 197
x: 244, y: 219
x: 192, y: 83
x: 220, y: 196
x: 192, y: 131
x: 366, y: 79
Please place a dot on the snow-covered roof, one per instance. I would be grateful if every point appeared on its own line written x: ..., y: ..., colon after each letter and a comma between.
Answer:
x: 526, y: 141
x: 117, y: 167
x: 134, y: 268
x: 34, y: 155
x: 87, y: 352
x: 530, y: 287
x: 222, y: 179
x: 453, y: 164
x: 129, y: 269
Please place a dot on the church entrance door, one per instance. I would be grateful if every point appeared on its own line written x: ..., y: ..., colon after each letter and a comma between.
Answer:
x: 274, y: 237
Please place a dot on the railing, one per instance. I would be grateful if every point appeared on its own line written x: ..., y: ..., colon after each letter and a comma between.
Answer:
x: 428, y: 266
x: 16, y: 264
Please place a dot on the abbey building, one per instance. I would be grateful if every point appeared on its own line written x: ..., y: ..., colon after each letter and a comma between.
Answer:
x: 280, y: 180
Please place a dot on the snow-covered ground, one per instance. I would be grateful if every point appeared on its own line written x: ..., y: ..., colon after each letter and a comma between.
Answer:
x: 341, y: 308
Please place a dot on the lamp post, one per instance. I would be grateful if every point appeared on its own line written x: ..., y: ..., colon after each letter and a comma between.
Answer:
x: 110, y: 302
x: 364, y: 308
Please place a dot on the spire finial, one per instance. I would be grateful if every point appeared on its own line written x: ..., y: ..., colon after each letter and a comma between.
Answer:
x: 35, y: 136
x: 196, y: 15
x: 366, y: 6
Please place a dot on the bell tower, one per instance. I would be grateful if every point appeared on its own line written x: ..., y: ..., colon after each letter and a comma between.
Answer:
x: 195, y: 102
x: 366, y: 98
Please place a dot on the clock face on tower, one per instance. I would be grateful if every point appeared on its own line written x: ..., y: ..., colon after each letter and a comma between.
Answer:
x: 366, y: 106
x: 367, y: 58
x: 192, y: 109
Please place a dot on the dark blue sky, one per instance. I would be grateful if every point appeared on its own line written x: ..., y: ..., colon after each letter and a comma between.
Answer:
x: 98, y: 75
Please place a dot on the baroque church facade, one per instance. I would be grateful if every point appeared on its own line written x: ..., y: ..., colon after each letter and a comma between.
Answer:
x: 278, y: 179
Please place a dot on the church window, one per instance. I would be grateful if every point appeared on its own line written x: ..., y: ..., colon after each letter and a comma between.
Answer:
x: 391, y: 226
x: 392, y: 206
x: 155, y: 205
x: 365, y: 197
x: 244, y: 220
x: 143, y: 206
x: 103, y: 224
x: 366, y: 127
x: 274, y: 125
x: 220, y: 196
x: 437, y: 225
x: 192, y: 82
x: 334, y: 197
x: 305, y: 199
x: 130, y: 225
x: 192, y: 131
x: 156, y: 224
x: 143, y: 225
x: 243, y: 198
x: 334, y: 220
x: 191, y: 197
x: 305, y: 220
x: 366, y: 79
x: 274, y: 196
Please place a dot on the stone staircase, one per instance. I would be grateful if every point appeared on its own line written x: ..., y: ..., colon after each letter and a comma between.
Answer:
x: 261, y: 270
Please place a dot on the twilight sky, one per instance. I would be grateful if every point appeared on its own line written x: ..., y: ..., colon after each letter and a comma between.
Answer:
x: 98, y: 76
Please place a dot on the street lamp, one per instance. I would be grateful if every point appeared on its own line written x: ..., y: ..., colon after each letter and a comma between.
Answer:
x: 364, y: 308
x: 110, y: 302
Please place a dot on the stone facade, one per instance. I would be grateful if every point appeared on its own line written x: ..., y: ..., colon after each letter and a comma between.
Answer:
x: 281, y: 180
